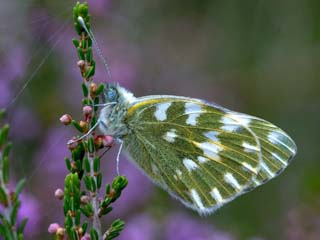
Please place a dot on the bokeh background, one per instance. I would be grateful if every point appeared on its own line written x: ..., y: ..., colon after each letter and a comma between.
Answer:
x: 259, y: 57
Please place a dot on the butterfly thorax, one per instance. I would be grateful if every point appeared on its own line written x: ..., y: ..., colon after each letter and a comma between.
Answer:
x: 112, y: 117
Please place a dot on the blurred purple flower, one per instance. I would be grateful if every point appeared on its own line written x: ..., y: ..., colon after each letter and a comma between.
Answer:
x: 303, y: 223
x: 24, y: 124
x: 140, y: 227
x: 138, y: 191
x: 5, y: 93
x: 182, y: 227
x: 53, y: 151
x: 30, y: 208
x: 99, y: 6
x: 12, y: 69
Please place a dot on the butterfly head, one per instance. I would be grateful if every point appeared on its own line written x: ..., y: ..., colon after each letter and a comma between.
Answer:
x: 112, y: 115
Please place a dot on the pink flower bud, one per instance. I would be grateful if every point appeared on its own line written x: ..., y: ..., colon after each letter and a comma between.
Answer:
x: 60, y: 231
x: 59, y: 194
x: 53, y: 228
x: 65, y: 119
x: 93, y: 88
x: 86, y: 237
x: 104, y: 141
x: 72, y: 143
x: 81, y: 64
x: 87, y: 110
x: 84, y: 199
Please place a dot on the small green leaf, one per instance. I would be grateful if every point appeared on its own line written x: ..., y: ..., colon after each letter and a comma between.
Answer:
x: 7, y: 149
x: 84, y: 227
x: 80, y: 53
x: 91, y: 145
x: 108, y: 188
x: 3, y: 197
x: 100, y: 89
x: 93, y: 184
x: 20, y: 186
x: 68, y: 164
x: 99, y: 180
x: 74, y: 234
x: 4, y: 134
x: 5, y: 170
x: 2, y: 113
x: 75, y: 42
x: 105, y: 211
x: 96, y: 164
x: 85, y: 90
x: 77, y: 217
x: 87, y: 165
x: 14, y: 212
x: 90, y: 72
x: 94, y: 234
x: 87, y: 182
x: 89, y: 54
x: 77, y: 126
x: 22, y: 225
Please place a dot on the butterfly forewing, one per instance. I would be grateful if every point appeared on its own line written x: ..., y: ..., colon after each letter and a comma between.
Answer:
x: 201, y: 153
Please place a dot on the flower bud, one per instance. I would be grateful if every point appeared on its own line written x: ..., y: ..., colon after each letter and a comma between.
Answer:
x: 84, y: 199
x: 65, y: 119
x: 93, y: 87
x: 59, y: 194
x: 87, y: 110
x: 72, y: 143
x: 60, y: 231
x: 86, y: 237
x: 81, y: 63
x: 83, y: 124
x: 53, y: 228
x: 103, y: 141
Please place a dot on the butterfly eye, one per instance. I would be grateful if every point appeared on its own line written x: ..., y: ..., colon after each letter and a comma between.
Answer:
x: 112, y: 94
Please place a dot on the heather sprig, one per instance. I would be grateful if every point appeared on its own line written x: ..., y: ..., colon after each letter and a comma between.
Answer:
x: 10, y: 228
x: 82, y: 195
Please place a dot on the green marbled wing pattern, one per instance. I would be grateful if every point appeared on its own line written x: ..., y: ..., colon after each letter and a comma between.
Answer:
x: 203, y: 154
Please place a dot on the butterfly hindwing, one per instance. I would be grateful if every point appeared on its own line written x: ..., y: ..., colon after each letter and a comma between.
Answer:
x: 201, y: 153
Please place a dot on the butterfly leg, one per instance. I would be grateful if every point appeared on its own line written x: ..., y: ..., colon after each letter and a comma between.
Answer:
x: 118, y: 155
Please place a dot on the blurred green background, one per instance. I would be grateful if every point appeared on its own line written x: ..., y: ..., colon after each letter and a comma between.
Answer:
x: 257, y: 57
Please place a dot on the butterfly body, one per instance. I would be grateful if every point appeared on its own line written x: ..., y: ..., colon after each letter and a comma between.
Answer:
x: 201, y: 153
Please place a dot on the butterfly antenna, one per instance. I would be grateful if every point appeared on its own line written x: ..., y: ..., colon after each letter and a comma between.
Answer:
x: 97, y: 48
x: 85, y: 135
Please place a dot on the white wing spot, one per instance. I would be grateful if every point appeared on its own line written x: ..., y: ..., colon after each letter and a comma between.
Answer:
x: 274, y: 137
x: 256, y: 182
x: 161, y: 111
x: 247, y: 166
x: 229, y: 124
x: 179, y: 172
x: 196, y: 198
x: 193, y: 112
x: 154, y: 169
x: 250, y: 148
x: 276, y: 156
x: 170, y: 136
x: 242, y: 118
x: 265, y: 168
x: 216, y: 195
x: 202, y: 159
x: 212, y: 135
x: 233, y: 121
x: 189, y: 164
x: 229, y: 178
x: 210, y: 149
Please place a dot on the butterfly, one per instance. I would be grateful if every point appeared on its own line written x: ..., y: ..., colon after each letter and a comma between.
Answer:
x: 200, y: 153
